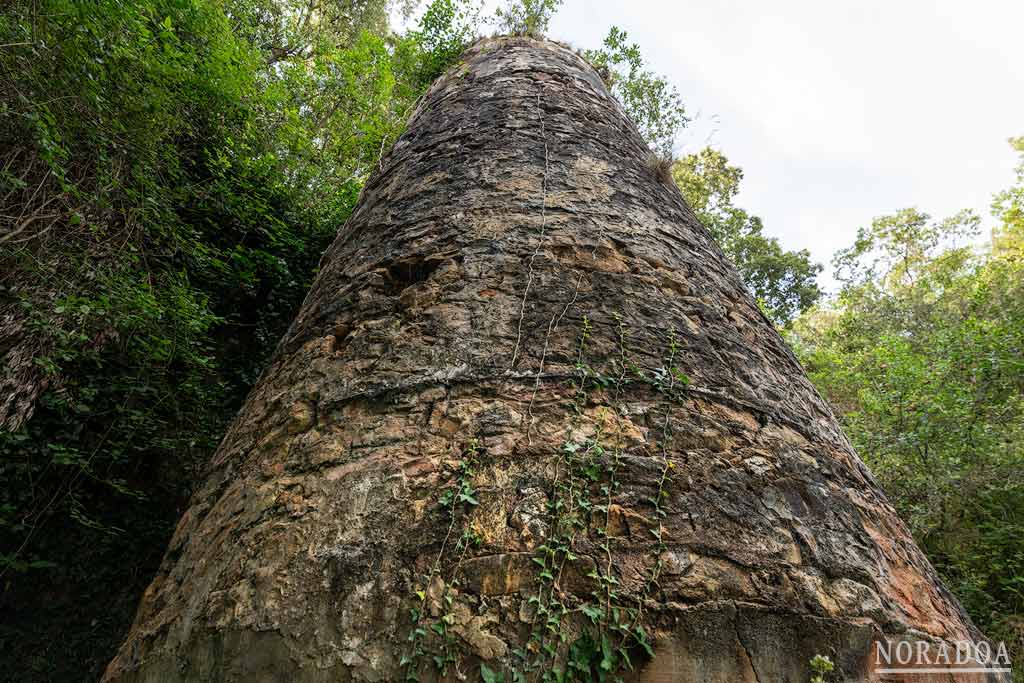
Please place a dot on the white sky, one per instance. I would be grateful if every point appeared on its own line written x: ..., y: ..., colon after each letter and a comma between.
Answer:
x: 837, y: 111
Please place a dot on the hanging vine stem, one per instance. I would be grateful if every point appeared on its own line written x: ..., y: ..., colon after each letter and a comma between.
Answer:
x: 450, y: 500
x: 552, y: 326
x: 616, y: 455
x: 583, y: 466
x: 672, y: 375
x: 563, y: 507
x: 580, y: 468
x: 540, y: 239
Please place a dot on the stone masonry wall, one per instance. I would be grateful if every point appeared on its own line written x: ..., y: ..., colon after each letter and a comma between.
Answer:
x: 529, y: 418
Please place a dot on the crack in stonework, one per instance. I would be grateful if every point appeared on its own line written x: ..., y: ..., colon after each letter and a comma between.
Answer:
x: 463, y: 374
x: 540, y: 240
x: 743, y: 646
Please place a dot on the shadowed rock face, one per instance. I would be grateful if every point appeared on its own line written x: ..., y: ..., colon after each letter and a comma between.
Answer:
x: 518, y: 292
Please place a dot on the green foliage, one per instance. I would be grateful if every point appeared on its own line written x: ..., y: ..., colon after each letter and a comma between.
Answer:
x: 1008, y: 208
x: 921, y: 354
x: 489, y: 676
x: 431, y: 640
x: 170, y: 172
x: 783, y: 282
x: 821, y: 666
x: 446, y: 30
x: 526, y: 17
x: 651, y: 102
x: 296, y: 30
x: 613, y: 639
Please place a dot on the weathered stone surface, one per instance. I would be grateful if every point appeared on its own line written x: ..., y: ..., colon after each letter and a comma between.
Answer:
x: 518, y: 209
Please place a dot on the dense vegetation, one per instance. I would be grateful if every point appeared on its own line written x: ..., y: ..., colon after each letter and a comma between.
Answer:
x: 170, y: 172
x: 783, y: 282
x: 922, y: 354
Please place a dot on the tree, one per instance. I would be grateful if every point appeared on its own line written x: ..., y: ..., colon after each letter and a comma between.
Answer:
x: 526, y: 17
x: 783, y: 282
x: 650, y: 101
x: 167, y: 188
x: 1008, y: 208
x: 526, y: 413
x: 296, y: 30
x: 921, y: 355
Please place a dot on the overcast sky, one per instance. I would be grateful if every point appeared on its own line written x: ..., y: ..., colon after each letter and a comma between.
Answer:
x: 837, y: 111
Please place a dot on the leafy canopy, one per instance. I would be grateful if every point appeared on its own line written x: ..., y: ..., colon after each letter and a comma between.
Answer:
x: 783, y: 282
x: 652, y: 103
x: 525, y: 17
x: 922, y: 354
x: 170, y: 172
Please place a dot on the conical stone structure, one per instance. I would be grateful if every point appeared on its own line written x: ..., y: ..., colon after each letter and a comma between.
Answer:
x: 529, y: 418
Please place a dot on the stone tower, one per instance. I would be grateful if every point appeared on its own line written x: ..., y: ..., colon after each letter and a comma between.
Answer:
x: 528, y: 420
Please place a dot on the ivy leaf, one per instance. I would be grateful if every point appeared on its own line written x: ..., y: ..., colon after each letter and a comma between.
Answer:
x: 592, y: 612
x: 607, y: 655
x: 487, y: 675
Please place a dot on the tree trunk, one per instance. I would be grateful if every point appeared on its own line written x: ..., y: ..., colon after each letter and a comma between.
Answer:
x: 529, y: 418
